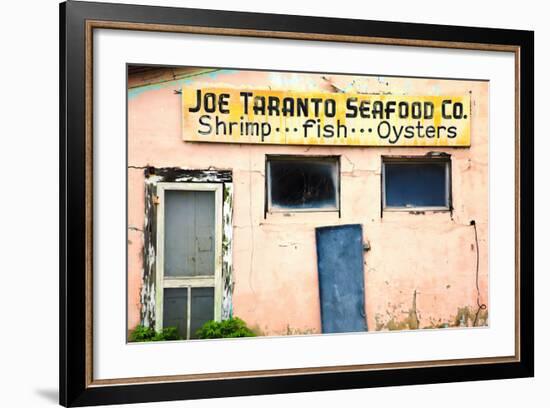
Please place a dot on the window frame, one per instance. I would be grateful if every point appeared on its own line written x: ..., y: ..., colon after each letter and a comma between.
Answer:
x: 207, y: 281
x: 440, y: 158
x: 270, y: 209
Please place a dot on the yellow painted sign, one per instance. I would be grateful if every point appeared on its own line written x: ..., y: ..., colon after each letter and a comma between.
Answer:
x: 327, y: 119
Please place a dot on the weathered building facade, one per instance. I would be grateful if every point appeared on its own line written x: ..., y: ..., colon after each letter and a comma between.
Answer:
x: 425, y: 261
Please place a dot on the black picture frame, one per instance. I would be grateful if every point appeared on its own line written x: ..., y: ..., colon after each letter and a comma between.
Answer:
x: 76, y: 386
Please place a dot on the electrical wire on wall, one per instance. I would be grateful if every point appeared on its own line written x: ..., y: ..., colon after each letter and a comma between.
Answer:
x: 480, y: 306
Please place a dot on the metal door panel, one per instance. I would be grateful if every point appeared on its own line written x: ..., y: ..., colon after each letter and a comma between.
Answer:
x: 341, y: 278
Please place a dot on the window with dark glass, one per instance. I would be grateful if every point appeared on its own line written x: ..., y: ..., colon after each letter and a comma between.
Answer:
x: 416, y: 183
x: 301, y: 183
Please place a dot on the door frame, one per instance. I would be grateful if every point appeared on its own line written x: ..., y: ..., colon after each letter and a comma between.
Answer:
x: 198, y: 281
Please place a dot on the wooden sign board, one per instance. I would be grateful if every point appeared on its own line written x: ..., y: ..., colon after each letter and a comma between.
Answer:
x: 328, y: 119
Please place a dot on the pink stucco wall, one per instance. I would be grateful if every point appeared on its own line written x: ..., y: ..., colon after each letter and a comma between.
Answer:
x: 420, y: 267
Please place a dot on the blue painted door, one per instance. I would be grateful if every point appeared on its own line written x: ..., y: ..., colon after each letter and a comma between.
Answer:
x: 341, y: 278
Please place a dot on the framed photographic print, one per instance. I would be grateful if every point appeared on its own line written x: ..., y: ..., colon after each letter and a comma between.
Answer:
x: 256, y: 203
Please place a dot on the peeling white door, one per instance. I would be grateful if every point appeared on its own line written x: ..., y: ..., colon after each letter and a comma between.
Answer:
x: 189, y: 244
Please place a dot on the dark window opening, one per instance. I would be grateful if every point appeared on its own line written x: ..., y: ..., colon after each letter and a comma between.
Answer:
x: 302, y: 183
x: 420, y: 183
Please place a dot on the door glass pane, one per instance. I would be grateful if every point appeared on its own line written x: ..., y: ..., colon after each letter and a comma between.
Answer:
x: 189, y: 233
x: 174, y: 312
x: 202, y: 307
x: 416, y: 184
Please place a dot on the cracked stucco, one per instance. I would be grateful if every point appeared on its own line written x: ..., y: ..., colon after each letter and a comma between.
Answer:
x: 272, y: 279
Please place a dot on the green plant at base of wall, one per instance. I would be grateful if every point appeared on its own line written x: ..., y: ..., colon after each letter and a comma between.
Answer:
x: 230, y: 328
x: 168, y: 333
x: 142, y: 333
